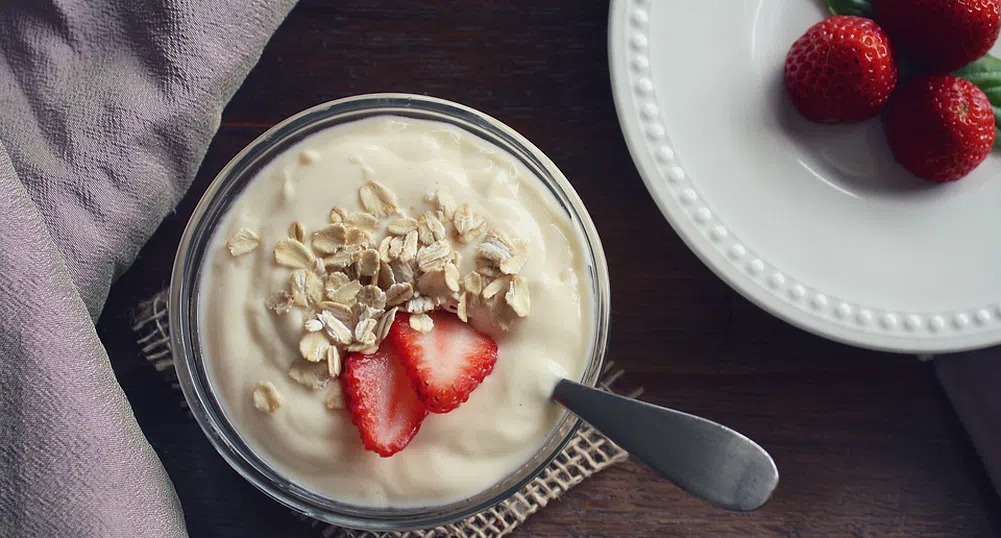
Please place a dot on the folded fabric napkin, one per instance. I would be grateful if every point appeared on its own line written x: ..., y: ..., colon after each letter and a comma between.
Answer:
x: 106, y: 110
x: 971, y: 380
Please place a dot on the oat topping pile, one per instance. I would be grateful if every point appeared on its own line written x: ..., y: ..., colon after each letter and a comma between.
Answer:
x: 352, y: 277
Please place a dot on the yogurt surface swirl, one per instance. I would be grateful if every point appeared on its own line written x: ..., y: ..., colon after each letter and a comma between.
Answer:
x: 506, y: 419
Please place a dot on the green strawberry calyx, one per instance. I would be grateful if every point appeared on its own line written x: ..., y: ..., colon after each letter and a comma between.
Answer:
x: 859, y: 8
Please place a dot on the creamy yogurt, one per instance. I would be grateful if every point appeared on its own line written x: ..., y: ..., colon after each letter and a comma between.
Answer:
x: 505, y: 420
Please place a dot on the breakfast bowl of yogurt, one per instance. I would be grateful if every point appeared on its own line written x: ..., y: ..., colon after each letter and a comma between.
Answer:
x: 372, y: 302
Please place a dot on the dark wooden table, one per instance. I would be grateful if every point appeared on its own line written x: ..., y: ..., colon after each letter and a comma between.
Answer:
x: 866, y: 443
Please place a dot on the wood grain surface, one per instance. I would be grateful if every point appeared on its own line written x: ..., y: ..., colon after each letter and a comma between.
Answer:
x: 866, y: 443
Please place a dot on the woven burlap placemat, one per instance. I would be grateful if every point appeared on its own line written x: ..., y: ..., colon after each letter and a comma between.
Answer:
x: 587, y: 453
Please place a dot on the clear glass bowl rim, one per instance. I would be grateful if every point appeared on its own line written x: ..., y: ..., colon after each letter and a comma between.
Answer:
x: 183, y: 291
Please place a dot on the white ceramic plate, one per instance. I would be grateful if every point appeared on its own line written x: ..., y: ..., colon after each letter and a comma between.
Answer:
x: 816, y: 224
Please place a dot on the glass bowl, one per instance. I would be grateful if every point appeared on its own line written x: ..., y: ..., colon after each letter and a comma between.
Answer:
x: 184, y: 297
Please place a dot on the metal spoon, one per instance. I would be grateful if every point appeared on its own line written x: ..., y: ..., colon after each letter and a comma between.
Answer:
x: 701, y: 457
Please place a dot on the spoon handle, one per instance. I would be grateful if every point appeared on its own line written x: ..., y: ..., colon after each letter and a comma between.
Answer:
x: 704, y: 458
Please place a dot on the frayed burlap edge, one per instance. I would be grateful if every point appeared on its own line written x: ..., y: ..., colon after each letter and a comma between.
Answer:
x: 587, y: 453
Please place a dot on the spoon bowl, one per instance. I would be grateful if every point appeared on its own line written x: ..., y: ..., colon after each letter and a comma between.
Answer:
x: 706, y: 459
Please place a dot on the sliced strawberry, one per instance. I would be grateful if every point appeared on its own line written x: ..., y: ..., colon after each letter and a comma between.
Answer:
x: 383, y: 403
x: 446, y: 363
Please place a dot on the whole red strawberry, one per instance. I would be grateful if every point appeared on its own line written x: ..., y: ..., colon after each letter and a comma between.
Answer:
x: 942, y: 35
x: 940, y: 127
x: 841, y: 70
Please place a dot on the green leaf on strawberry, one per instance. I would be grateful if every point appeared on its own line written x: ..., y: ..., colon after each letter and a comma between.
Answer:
x: 859, y: 8
x: 985, y: 73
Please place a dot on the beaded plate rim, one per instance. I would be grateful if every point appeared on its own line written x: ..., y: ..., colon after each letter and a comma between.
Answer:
x: 720, y: 248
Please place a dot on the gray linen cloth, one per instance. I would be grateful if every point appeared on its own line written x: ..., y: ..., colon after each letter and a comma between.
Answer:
x: 106, y: 110
x: 973, y: 382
